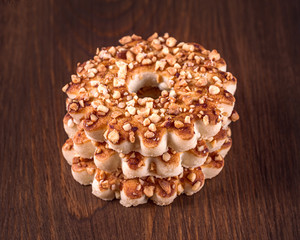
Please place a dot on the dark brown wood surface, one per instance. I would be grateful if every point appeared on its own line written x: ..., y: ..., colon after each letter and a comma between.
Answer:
x: 257, y: 194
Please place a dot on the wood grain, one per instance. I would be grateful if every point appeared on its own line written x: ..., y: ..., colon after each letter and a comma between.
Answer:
x: 257, y: 194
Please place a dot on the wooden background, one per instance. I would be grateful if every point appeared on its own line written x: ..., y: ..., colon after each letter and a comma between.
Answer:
x: 257, y: 194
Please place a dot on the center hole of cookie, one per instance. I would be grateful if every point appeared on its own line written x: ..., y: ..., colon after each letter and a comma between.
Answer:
x: 149, y: 91
x: 147, y: 84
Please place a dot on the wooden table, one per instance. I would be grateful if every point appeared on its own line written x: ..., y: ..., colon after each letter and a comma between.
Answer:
x: 257, y: 194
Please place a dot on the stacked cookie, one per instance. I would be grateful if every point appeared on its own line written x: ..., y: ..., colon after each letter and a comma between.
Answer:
x: 149, y: 119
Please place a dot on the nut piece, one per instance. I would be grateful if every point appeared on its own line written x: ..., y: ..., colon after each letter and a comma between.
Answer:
x: 171, y: 59
x: 206, y: 120
x: 155, y: 118
x: 125, y: 39
x: 131, y: 137
x: 70, y: 123
x: 188, y: 47
x: 179, y: 189
x: 187, y: 119
x: 146, y: 122
x: 165, y: 185
x: 93, y: 117
x: 131, y: 110
x: 129, y: 56
x: 152, y: 127
x: 192, y: 177
x: 113, y: 136
x: 160, y: 65
x: 127, y: 127
x: 235, y: 116
x: 102, y: 108
x: 166, y: 157
x: 178, y: 124
x: 149, y: 134
x: 140, y: 57
x: 171, y: 70
x: 75, y: 79
x: 73, y: 106
x: 214, y: 55
x: 213, y: 90
x: 196, y: 186
x: 201, y: 82
x: 149, y: 190
x: 171, y: 42
x: 116, y: 95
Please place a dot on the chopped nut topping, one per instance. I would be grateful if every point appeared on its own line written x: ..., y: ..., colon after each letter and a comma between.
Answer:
x: 172, y: 70
x: 146, y: 122
x: 65, y: 88
x: 103, y: 108
x: 129, y: 56
x: 213, y: 89
x: 171, y: 59
x: 112, y: 51
x: 166, y: 157
x: 125, y: 39
x: 105, y: 184
x: 165, y: 185
x: 206, y: 120
x: 131, y: 110
x: 179, y: 189
x: 235, y: 116
x: 113, y: 136
x: 73, y: 106
x: 160, y: 65
x: 165, y: 51
x: 118, y: 82
x: 171, y: 42
x: 153, y: 36
x: 152, y: 127
x: 149, y: 191
x: 149, y: 105
x: 173, y: 93
x: 208, y: 160
x: 196, y: 186
x: 164, y: 93
x: 121, y: 105
x: 203, y: 69
x: 177, y: 66
x: 140, y: 57
x: 146, y: 61
x: 154, y: 118
x: 187, y: 119
x: 149, y: 134
x: 216, y: 78
x: 127, y: 127
x: 144, y: 112
x: 70, y: 123
x: 218, y: 158
x: 116, y: 95
x: 201, y: 82
x: 192, y: 177
x: 188, y: 47
x: 156, y: 44
x: 214, y: 55
x: 131, y: 137
x: 93, y: 117
x: 75, y: 79
x: 122, y: 69
x: 178, y: 124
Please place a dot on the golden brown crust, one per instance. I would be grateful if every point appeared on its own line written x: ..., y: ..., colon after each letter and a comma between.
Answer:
x: 80, y: 137
x: 83, y: 164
